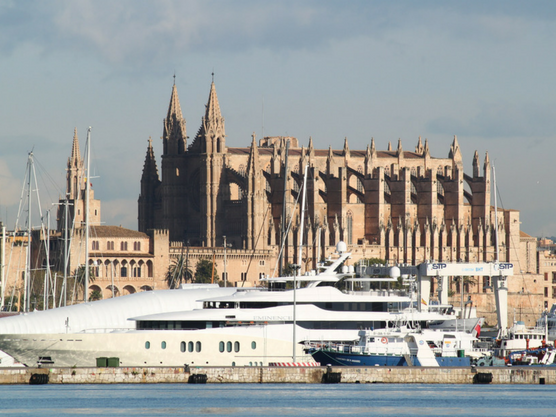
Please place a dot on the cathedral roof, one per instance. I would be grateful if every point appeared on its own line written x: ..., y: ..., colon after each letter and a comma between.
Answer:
x: 324, y: 153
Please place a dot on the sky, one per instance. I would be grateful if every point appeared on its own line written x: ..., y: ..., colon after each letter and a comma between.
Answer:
x: 329, y: 70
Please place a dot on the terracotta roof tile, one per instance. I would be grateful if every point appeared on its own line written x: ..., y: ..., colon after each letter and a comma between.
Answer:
x: 115, y: 231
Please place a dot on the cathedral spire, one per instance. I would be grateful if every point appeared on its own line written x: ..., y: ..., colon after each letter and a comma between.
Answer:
x: 174, y: 136
x: 399, y: 151
x: 419, y: 148
x: 212, y: 135
x: 150, y: 169
x: 253, y: 163
x: 213, y: 116
x: 486, y: 167
x: 75, y: 170
x: 75, y: 158
x: 455, y: 152
x: 346, y: 147
x: 476, y: 165
x: 149, y: 185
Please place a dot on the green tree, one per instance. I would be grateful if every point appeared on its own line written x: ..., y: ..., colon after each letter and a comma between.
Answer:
x: 95, y: 295
x: 178, y: 272
x: 204, y: 271
x: 288, y: 270
x: 80, y: 276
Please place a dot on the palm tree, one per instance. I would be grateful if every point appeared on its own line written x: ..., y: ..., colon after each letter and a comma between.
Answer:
x: 204, y: 271
x: 80, y: 275
x: 178, y: 272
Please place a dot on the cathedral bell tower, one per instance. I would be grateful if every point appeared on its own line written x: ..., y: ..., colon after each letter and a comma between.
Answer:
x: 211, y: 141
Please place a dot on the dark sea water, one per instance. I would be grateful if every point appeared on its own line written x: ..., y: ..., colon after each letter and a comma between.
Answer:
x: 277, y: 400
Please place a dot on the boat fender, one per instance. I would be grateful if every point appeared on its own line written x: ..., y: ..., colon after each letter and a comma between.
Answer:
x: 482, y: 378
x: 38, y: 379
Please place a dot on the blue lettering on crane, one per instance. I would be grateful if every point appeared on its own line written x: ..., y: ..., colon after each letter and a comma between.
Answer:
x: 438, y: 266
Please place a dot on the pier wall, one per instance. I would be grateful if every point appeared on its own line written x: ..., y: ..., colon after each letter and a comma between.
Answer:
x: 302, y: 375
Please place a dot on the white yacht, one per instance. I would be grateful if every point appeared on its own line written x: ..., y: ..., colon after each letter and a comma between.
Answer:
x: 99, y: 317
x: 234, y: 328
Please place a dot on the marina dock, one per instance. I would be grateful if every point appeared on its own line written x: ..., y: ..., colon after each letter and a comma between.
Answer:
x: 270, y: 374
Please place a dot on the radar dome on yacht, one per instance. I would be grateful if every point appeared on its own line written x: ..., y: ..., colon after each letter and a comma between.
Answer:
x: 395, y: 272
x: 341, y: 247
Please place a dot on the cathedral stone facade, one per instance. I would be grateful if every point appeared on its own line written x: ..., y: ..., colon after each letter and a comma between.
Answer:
x: 397, y: 205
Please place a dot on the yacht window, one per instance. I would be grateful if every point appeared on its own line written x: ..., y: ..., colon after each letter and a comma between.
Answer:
x: 221, y: 346
x: 147, y: 345
x: 229, y: 346
x: 182, y: 346
x: 163, y: 345
x: 253, y: 345
x: 198, y: 346
x: 236, y: 346
x: 190, y: 346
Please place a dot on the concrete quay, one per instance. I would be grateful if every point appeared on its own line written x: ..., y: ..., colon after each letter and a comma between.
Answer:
x: 267, y: 374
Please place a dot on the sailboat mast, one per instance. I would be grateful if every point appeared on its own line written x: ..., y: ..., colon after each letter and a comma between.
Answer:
x: 2, y: 266
x: 47, y: 272
x: 65, y: 284
x: 28, y: 254
x: 298, y: 267
x: 495, y: 216
x: 87, y: 189
x: 284, y: 208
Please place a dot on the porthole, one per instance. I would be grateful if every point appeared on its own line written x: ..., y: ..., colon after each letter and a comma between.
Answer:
x: 182, y: 346
x: 198, y: 346
x: 163, y: 345
x: 236, y: 346
x: 253, y: 345
x: 147, y: 345
x: 190, y: 346
x: 229, y: 346
x: 221, y: 347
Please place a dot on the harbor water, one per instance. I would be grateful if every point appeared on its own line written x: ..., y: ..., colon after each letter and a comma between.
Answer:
x: 277, y: 400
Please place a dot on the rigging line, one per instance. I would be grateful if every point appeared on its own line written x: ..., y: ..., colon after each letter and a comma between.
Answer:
x: 283, y: 243
x: 256, y: 242
x: 21, y: 198
x: 51, y: 184
x: 518, y: 261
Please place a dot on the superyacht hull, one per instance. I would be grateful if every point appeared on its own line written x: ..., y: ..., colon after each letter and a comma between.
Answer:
x: 234, y: 346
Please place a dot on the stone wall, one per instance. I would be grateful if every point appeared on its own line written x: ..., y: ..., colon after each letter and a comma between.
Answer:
x: 303, y: 375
